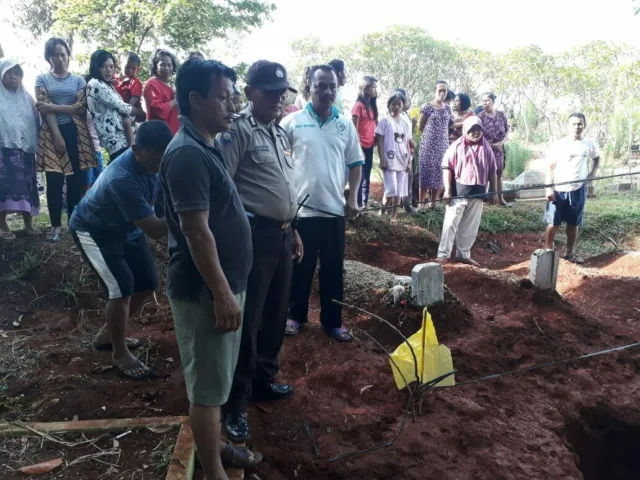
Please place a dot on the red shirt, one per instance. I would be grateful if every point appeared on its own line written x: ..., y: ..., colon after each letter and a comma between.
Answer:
x: 158, y: 96
x: 366, y: 124
x: 128, y: 88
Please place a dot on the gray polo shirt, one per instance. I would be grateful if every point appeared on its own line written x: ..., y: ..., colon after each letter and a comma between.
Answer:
x: 258, y: 157
x: 193, y: 178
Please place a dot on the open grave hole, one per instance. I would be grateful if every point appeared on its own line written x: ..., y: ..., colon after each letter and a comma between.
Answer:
x: 606, y: 444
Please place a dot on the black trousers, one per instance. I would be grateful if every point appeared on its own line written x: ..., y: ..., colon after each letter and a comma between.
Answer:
x: 365, y: 183
x: 323, y: 238
x: 76, y: 182
x: 265, y: 313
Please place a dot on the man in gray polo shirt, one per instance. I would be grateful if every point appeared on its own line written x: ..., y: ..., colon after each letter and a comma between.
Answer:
x: 211, y: 256
x: 258, y: 157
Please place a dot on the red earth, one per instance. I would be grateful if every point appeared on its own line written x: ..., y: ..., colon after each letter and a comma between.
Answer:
x: 571, y: 421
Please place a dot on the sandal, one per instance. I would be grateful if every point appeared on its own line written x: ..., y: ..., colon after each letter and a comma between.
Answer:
x: 53, y: 237
x: 132, y: 344
x: 239, y: 457
x: 7, y: 235
x: 573, y: 258
x: 292, y: 328
x: 124, y: 371
x: 341, y: 334
x: 32, y: 232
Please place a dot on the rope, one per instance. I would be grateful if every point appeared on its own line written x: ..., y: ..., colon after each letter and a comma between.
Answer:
x: 479, y: 195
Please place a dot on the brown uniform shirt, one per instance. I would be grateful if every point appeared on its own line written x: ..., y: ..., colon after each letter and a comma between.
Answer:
x: 258, y: 158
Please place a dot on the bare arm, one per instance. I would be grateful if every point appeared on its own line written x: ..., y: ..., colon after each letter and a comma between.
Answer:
x: 356, y: 121
x: 493, y: 182
x: 594, y: 167
x: 380, y: 144
x: 153, y: 226
x: 551, y: 196
x: 446, y: 177
x: 202, y: 245
x: 422, y: 122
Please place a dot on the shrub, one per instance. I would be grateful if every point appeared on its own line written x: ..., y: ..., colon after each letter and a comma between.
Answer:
x: 517, y: 158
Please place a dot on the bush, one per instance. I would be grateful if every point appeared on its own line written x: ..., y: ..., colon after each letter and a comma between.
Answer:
x: 517, y: 157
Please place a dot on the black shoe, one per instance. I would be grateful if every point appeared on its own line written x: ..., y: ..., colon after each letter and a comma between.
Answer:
x: 236, y: 427
x: 270, y: 392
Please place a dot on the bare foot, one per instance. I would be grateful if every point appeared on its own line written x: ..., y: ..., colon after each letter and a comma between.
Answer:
x: 468, y: 261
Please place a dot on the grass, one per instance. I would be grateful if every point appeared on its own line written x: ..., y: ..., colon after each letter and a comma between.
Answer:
x: 608, y: 219
x: 27, y: 262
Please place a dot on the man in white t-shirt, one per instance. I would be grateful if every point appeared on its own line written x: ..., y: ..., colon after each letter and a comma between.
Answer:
x: 323, y: 143
x: 569, y: 162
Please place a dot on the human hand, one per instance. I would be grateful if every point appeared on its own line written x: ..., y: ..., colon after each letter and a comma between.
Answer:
x: 551, y: 195
x: 297, y: 247
x: 446, y: 197
x: 494, y: 200
x: 45, y: 108
x: 383, y: 165
x: 227, y: 312
x: 59, y: 146
x: 351, y: 208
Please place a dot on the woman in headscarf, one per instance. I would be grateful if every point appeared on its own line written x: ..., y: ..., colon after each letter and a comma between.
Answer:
x: 65, y: 149
x: 468, y: 165
x: 496, y: 130
x: 19, y: 124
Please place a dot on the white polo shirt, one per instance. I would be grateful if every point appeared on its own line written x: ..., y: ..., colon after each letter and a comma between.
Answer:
x: 320, y: 153
x: 570, y: 159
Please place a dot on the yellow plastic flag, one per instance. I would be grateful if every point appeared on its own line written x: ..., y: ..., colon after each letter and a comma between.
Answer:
x: 434, y: 359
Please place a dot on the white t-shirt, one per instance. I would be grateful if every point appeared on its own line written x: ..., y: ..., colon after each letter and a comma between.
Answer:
x: 320, y: 153
x: 570, y: 159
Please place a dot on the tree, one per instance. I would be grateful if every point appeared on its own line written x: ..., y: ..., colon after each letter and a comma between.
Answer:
x: 140, y: 25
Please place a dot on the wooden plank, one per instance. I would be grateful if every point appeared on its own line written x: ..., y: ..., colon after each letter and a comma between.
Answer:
x: 91, y: 425
x: 184, y: 455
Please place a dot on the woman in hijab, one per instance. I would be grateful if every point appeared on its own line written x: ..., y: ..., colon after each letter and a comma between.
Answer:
x: 468, y: 165
x: 19, y: 123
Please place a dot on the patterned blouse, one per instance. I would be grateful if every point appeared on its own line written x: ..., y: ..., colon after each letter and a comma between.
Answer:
x: 107, y: 109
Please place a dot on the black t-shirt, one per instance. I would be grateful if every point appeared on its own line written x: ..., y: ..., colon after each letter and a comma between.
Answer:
x: 193, y: 177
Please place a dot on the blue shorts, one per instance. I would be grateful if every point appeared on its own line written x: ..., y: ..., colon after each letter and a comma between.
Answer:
x: 568, y: 208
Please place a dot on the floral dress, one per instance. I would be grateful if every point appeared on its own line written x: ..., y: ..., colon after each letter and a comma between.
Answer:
x: 495, y: 130
x: 434, y: 144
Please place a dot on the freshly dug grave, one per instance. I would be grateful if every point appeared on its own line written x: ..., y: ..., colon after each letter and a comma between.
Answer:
x: 541, y: 425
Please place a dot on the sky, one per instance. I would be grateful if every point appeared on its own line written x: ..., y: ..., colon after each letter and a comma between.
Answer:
x: 495, y: 25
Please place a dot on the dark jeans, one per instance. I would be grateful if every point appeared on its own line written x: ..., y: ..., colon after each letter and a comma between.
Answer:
x: 76, y: 182
x: 363, y: 192
x: 265, y: 313
x: 323, y: 238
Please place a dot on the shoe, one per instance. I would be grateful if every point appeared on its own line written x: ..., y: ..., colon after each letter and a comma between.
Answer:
x: 409, y: 209
x: 270, y: 392
x: 236, y: 427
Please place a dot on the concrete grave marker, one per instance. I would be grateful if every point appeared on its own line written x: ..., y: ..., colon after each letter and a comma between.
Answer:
x: 427, y: 284
x: 544, y: 269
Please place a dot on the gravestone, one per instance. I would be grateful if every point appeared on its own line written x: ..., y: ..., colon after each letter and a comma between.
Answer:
x: 427, y: 284
x: 544, y: 269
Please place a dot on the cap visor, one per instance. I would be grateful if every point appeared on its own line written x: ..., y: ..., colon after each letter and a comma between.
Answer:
x: 278, y: 86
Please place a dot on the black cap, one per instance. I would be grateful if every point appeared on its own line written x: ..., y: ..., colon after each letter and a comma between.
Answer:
x: 268, y: 76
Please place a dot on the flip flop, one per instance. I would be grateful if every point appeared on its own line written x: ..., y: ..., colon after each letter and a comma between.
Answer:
x: 138, y: 365
x: 573, y: 258
x: 239, y: 457
x: 292, y: 328
x: 132, y: 344
x: 7, y: 236
x: 53, y: 237
x: 341, y: 334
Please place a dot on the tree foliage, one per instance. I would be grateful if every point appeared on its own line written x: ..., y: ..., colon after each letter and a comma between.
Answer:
x: 140, y: 25
x: 537, y: 89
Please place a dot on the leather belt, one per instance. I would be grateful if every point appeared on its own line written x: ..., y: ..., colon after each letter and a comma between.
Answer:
x: 264, y: 222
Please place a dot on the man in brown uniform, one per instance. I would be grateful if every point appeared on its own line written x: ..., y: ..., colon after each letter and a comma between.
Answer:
x: 258, y: 158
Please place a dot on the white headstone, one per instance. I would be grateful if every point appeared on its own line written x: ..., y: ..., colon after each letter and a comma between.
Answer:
x: 427, y: 284
x: 544, y: 269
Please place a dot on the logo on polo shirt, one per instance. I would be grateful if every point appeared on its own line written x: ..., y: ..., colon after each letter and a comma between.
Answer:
x: 340, y: 127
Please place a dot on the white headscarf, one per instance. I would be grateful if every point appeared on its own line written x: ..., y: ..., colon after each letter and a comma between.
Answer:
x: 19, y: 120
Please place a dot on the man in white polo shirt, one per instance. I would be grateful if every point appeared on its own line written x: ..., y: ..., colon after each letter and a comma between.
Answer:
x: 323, y: 142
x: 569, y: 162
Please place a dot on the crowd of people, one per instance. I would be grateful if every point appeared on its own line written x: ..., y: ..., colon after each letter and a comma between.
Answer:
x: 251, y: 198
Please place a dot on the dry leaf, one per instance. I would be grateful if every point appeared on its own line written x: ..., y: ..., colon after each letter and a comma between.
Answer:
x: 160, y: 428
x: 365, y: 388
x: 40, y: 468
